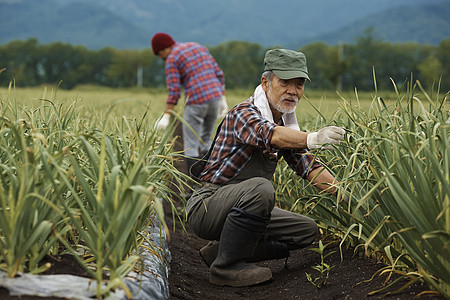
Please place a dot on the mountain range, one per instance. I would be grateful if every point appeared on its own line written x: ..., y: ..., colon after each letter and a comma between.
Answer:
x: 130, y: 24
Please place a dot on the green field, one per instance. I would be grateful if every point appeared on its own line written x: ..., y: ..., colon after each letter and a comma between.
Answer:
x: 72, y: 161
x: 132, y: 102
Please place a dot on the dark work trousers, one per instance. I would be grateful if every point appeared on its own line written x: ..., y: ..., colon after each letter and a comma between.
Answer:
x: 251, y: 191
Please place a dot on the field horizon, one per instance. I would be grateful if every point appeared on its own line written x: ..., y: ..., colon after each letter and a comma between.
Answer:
x: 133, y: 102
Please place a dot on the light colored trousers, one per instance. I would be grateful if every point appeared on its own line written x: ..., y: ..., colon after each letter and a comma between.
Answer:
x: 202, y: 118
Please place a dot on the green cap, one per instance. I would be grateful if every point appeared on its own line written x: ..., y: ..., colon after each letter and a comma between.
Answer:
x: 286, y: 64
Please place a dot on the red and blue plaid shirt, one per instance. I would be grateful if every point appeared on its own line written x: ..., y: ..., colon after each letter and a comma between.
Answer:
x: 242, y: 130
x: 192, y: 66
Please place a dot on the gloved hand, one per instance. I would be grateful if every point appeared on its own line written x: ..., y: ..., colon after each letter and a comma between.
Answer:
x: 163, y: 122
x: 326, y: 135
x: 223, y: 109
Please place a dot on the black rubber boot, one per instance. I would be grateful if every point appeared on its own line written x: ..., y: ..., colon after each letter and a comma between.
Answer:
x: 240, y: 235
x: 265, y: 250
x: 271, y: 249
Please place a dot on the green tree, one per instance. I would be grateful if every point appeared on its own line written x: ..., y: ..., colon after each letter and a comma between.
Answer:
x: 398, y: 62
x: 125, y: 66
x: 156, y: 76
x: 334, y: 66
x: 30, y: 63
x: 241, y: 62
x: 362, y: 58
x: 20, y: 59
x: 61, y: 62
x: 430, y: 69
x: 153, y: 69
x: 316, y: 56
x: 98, y: 62
x: 390, y: 61
x: 443, y: 54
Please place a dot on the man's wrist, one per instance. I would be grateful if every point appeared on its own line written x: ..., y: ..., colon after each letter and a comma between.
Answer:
x: 311, y: 140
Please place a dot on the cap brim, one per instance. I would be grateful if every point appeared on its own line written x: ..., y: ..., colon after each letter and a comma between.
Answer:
x: 290, y: 74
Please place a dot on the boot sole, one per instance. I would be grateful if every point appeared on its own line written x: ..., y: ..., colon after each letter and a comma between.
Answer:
x: 209, y: 253
x: 240, y: 283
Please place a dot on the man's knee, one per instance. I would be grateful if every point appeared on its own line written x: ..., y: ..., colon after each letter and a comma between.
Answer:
x: 312, y: 230
x: 306, y: 234
x: 259, y: 198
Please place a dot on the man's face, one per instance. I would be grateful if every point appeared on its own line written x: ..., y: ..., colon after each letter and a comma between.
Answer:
x: 283, y: 95
x: 164, y: 53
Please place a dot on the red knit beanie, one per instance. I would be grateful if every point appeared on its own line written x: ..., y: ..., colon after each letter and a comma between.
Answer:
x: 161, y: 41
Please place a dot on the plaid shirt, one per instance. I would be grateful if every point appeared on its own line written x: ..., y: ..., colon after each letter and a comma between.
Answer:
x: 191, y: 65
x: 242, y: 130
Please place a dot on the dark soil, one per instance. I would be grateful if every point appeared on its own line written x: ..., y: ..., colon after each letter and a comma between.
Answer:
x: 188, y: 278
x: 349, y: 279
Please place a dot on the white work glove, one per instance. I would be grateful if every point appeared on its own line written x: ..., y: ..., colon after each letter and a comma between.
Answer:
x: 223, y: 108
x: 163, y: 122
x: 327, y: 135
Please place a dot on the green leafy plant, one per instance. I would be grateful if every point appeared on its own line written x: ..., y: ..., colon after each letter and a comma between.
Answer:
x: 394, y: 165
x: 117, y: 182
x: 27, y: 214
x: 323, y: 268
x: 68, y: 185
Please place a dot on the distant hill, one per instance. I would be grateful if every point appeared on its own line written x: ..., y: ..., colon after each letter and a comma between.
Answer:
x: 426, y: 24
x: 75, y: 22
x: 288, y: 23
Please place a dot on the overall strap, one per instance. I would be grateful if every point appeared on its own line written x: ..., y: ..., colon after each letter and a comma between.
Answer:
x: 200, y: 164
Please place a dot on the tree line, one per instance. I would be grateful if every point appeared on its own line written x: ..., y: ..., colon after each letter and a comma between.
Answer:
x: 340, y: 67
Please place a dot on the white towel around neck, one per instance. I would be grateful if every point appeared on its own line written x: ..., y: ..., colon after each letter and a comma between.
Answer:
x: 289, y: 120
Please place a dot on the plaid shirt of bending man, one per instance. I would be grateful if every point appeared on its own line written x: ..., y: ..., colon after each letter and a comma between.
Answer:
x: 192, y: 66
x: 242, y: 130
